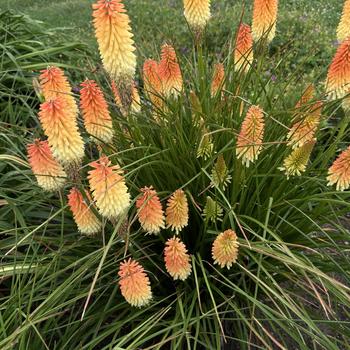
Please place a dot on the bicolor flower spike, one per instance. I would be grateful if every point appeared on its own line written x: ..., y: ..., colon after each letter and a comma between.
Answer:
x: 264, y: 19
x: 217, y: 83
x: 243, y: 53
x: 296, y: 162
x: 177, y: 211
x: 177, y: 260
x: 134, y: 283
x: 339, y: 172
x: 60, y: 126
x: 108, y: 188
x: 97, y: 120
x: 197, y: 13
x: 219, y: 174
x: 150, y: 211
x: 135, y: 97
x: 87, y: 222
x: 343, y: 30
x: 115, y: 39
x: 250, y: 138
x: 54, y: 84
x: 170, y: 72
x: 304, y: 129
x: 48, y: 172
x: 338, y: 77
x: 225, y: 249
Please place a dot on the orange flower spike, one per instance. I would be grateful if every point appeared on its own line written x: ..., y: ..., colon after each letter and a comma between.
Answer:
x: 250, y: 138
x: 48, y: 172
x: 115, y: 39
x: 338, y: 77
x: 177, y: 260
x: 149, y: 211
x: 343, y: 30
x: 152, y: 82
x: 243, y: 53
x: 197, y: 13
x: 134, y: 283
x: 60, y: 127
x: 97, y: 119
x: 264, y: 19
x: 177, y: 211
x: 85, y: 219
x: 108, y: 188
x: 339, y: 172
x: 225, y: 249
x: 151, y: 77
x: 53, y: 83
x: 170, y: 72
x: 217, y: 83
x: 136, y: 102
x: 304, y: 130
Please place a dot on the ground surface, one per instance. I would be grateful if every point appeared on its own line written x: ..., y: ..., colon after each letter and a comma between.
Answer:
x: 309, y: 26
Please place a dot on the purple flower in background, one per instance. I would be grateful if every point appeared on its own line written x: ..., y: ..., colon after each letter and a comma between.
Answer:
x: 273, y: 77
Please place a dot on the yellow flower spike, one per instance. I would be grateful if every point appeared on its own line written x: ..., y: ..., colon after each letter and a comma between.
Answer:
x: 206, y: 146
x: 135, y: 104
x: 243, y: 53
x: 220, y: 176
x: 343, y: 30
x: 217, y: 83
x: 196, y: 111
x: 60, y: 126
x: 150, y: 211
x: 170, y: 72
x: 304, y: 129
x: 177, y: 211
x: 339, y: 172
x: 338, y: 77
x: 134, y: 283
x: 197, y: 13
x: 212, y: 210
x: 250, y: 138
x: 85, y: 219
x: 48, y: 172
x: 177, y: 260
x: 264, y: 19
x: 115, y: 39
x: 97, y: 119
x: 108, y: 188
x: 225, y: 249
x: 296, y: 162
x: 38, y: 89
x: 196, y: 106
x: 53, y: 83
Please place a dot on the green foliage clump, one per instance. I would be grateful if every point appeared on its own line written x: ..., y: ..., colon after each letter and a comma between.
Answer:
x: 290, y: 285
x: 23, y: 51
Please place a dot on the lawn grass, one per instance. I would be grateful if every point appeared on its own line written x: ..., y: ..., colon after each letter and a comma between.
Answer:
x: 306, y: 27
